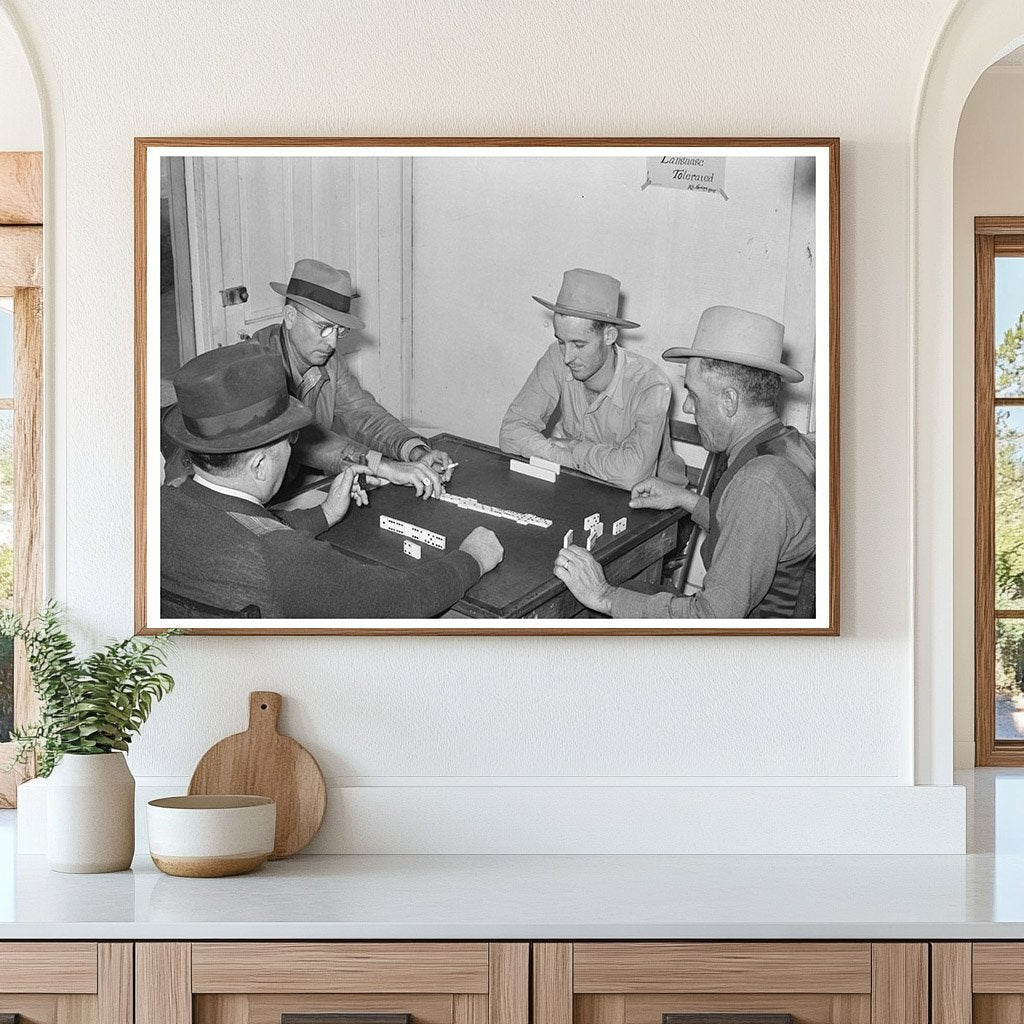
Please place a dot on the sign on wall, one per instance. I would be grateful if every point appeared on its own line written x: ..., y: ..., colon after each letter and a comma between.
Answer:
x: 691, y: 172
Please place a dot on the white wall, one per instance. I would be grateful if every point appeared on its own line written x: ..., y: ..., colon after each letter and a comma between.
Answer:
x: 814, y: 712
x: 21, y: 127
x: 987, y: 182
x: 489, y: 233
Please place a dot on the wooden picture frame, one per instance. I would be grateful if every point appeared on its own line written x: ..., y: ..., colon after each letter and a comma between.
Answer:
x: 515, y: 215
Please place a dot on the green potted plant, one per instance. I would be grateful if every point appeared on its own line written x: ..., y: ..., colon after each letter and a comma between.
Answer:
x: 89, y: 710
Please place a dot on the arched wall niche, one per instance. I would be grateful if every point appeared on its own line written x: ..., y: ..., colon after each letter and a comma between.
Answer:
x: 977, y: 33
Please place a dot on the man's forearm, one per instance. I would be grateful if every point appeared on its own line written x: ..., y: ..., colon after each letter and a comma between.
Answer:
x: 327, y: 451
x: 517, y: 437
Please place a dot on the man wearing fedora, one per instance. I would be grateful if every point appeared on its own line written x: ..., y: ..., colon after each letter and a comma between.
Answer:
x: 759, y: 551
x: 612, y: 404
x: 224, y: 554
x: 349, y: 425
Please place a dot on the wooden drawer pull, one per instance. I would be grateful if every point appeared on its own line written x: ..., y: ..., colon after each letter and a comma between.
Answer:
x: 726, y: 1018
x: 339, y: 1018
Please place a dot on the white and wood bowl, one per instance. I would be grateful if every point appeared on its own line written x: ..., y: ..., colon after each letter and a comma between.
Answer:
x: 211, y: 836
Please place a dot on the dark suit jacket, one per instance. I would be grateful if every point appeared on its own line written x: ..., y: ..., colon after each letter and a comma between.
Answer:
x: 229, y: 553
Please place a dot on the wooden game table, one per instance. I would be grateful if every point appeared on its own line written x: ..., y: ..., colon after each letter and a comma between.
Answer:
x: 523, y: 585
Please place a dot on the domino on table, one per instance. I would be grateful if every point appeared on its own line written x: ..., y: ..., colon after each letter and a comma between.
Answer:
x: 472, y: 505
x: 527, y: 470
x: 417, y: 533
x: 551, y: 467
x: 619, y: 526
x: 412, y: 550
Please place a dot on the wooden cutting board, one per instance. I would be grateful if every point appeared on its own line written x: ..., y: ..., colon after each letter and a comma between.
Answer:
x: 262, y: 762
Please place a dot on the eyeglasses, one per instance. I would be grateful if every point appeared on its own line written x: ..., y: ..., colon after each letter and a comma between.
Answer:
x: 326, y: 330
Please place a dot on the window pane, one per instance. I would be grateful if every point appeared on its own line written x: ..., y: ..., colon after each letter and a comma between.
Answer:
x: 1009, y: 679
x: 6, y: 352
x: 1009, y: 525
x: 1009, y: 324
x: 6, y: 567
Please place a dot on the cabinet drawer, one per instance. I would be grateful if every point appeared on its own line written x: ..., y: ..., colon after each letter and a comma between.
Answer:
x: 65, y: 967
x: 635, y: 967
x: 730, y: 983
x: 66, y: 982
x: 340, y: 967
x: 330, y: 982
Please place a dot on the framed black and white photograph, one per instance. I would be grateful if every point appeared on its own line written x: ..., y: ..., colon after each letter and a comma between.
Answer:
x: 487, y: 386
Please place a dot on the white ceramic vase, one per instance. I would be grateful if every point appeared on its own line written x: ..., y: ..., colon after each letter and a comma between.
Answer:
x: 90, y: 814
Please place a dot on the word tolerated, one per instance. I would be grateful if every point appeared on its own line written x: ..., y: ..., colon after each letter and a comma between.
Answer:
x: 472, y: 505
x: 417, y: 533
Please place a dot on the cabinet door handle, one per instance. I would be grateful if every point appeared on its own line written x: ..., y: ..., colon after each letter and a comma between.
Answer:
x: 726, y: 1018
x: 340, y: 1018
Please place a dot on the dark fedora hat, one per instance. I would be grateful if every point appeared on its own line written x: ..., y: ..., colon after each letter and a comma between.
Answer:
x: 324, y: 290
x: 232, y: 399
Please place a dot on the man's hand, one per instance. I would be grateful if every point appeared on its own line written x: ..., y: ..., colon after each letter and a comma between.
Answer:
x: 440, y: 462
x: 344, y: 489
x: 485, y: 547
x: 657, y: 493
x: 579, y: 571
x: 412, y: 474
x: 561, y: 444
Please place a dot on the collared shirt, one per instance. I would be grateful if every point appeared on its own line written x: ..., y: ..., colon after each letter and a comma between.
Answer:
x: 221, y: 489
x: 766, y: 517
x: 618, y: 435
x: 350, y: 424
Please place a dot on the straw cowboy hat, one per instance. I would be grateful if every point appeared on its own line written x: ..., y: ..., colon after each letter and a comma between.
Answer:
x: 738, y: 336
x: 322, y: 289
x: 232, y: 399
x: 589, y: 295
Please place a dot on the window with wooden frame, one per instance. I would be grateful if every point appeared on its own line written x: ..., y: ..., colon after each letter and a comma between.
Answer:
x: 999, y: 490
x: 21, y: 365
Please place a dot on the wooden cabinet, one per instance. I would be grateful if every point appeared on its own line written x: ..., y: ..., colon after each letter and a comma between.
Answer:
x: 262, y: 982
x: 66, y: 982
x: 979, y: 982
x: 652, y: 982
x: 512, y: 983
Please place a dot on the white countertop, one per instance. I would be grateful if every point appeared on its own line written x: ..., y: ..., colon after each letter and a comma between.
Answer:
x: 516, y: 897
x: 977, y: 896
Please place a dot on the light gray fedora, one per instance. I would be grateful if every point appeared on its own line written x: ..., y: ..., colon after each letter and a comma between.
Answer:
x: 589, y: 295
x: 736, y: 335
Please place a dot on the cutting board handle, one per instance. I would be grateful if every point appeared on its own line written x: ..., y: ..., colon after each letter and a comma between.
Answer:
x: 264, y: 710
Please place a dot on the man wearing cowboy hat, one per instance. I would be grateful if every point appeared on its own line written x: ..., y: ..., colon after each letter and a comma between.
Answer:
x: 223, y: 554
x: 613, y: 404
x: 759, y: 551
x: 349, y: 425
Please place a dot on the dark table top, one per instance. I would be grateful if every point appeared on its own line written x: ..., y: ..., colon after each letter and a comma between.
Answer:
x: 524, y: 579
